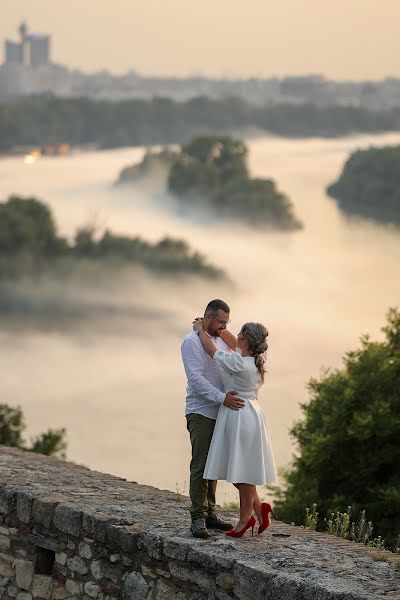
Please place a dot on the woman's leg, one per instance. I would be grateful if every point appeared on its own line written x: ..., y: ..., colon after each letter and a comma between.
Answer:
x: 257, y: 505
x: 246, y: 495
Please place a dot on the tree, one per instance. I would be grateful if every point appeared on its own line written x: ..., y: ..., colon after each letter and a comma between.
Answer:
x: 212, y: 170
x: 369, y: 184
x: 27, y: 226
x: 12, y: 427
x: 348, y: 443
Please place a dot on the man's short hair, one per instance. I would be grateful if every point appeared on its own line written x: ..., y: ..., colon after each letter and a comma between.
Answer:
x: 215, y: 305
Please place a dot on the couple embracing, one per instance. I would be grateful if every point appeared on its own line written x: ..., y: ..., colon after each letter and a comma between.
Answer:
x: 227, y: 427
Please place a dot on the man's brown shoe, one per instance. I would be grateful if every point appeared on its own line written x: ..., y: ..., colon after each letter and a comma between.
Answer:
x: 199, y: 529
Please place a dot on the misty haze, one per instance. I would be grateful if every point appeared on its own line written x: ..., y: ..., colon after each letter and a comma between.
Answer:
x: 99, y: 351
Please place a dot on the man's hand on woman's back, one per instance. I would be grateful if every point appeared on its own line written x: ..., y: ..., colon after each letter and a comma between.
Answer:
x: 232, y: 401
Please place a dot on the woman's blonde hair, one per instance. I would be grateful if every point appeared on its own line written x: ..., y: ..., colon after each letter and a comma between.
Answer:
x: 256, y: 335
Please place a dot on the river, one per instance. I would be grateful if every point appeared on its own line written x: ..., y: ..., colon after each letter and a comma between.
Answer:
x: 116, y: 381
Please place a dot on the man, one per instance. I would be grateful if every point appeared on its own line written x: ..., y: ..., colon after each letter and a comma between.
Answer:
x: 204, y: 395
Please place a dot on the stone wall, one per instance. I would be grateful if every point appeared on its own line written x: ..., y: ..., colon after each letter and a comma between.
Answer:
x: 70, y: 533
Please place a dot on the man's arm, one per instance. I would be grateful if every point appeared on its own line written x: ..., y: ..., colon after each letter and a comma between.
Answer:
x: 193, y: 363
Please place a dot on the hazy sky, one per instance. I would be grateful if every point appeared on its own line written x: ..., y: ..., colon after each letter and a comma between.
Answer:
x: 342, y: 39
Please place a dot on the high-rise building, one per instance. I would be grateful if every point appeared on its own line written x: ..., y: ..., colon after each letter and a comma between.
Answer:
x: 39, y: 46
x: 33, y: 49
x: 14, y: 52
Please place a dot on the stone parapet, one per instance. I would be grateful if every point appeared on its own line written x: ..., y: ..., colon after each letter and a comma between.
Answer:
x: 69, y: 532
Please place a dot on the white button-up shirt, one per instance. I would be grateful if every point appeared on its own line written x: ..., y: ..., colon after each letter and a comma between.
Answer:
x: 205, y: 390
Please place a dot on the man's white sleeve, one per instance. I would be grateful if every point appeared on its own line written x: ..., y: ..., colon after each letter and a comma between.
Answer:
x: 193, y: 363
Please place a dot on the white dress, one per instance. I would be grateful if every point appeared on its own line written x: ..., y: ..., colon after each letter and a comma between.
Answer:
x: 240, y: 449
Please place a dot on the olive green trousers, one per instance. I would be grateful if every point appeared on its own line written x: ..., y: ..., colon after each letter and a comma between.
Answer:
x: 202, y: 491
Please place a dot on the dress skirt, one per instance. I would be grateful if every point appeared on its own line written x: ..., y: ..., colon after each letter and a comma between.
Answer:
x: 240, y: 449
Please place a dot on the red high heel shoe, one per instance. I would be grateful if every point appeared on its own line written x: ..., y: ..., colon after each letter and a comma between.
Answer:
x: 266, y: 522
x: 250, y: 523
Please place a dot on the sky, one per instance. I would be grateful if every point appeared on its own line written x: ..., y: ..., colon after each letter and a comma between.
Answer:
x: 340, y: 39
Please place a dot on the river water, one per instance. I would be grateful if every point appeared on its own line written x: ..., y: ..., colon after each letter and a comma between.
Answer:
x: 113, y: 376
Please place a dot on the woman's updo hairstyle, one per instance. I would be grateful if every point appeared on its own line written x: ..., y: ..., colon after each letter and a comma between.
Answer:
x: 256, y: 335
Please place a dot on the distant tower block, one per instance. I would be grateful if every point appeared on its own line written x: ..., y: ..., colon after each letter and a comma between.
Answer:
x: 39, y: 49
x: 14, y: 53
x: 23, y: 31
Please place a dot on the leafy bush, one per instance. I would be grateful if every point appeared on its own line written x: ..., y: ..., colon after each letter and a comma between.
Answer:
x: 12, y: 427
x: 348, y: 441
x: 29, y: 243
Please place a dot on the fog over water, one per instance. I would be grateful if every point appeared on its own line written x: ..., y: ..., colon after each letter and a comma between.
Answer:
x: 107, y: 365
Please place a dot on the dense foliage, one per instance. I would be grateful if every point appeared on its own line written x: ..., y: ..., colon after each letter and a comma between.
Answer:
x: 29, y: 242
x: 211, y: 172
x: 45, y: 120
x: 12, y: 427
x: 370, y: 184
x: 153, y: 162
x: 348, y: 442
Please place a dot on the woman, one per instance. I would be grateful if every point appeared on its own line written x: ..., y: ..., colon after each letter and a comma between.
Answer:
x: 240, y: 450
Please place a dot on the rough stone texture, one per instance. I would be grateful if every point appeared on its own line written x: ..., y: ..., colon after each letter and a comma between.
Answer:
x: 84, y: 550
x: 23, y: 573
x: 113, y: 539
x: 92, y: 589
x: 24, y: 596
x: 136, y: 587
x: 42, y: 586
x: 77, y: 565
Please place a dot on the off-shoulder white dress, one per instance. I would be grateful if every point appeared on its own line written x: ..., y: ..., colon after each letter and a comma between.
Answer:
x: 240, y: 450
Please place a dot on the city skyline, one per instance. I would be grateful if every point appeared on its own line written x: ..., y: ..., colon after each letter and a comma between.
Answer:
x: 342, y: 40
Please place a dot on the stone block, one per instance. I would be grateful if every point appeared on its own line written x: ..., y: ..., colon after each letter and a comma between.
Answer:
x: 24, y: 507
x: 226, y: 580
x: 7, y: 501
x: 4, y: 543
x: 76, y: 564
x: 71, y: 545
x: 4, y: 530
x: 6, y: 563
x: 163, y: 591
x: 58, y: 593
x: 152, y: 544
x: 61, y: 558
x: 68, y: 520
x: 195, y: 575
x: 12, y: 591
x: 91, y: 589
x: 221, y: 594
x: 23, y: 573
x: 201, y: 557
x: 42, y: 587
x: 85, y: 550
x: 114, y: 558
x: 96, y: 569
x: 175, y: 549
x: 163, y: 573
x: 136, y: 587
x: 43, y: 510
x: 24, y: 596
x: 73, y: 587
x: 149, y: 572
x: 122, y: 538
x: 102, y: 569
x: 96, y: 526
x: 110, y: 588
